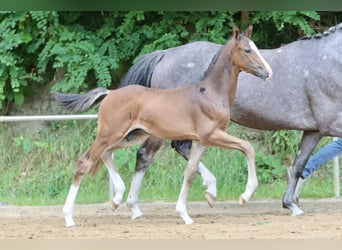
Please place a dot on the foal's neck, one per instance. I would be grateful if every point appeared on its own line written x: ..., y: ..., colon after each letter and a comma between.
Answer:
x: 222, y: 78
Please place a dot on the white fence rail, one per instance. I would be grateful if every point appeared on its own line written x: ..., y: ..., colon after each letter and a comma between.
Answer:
x: 93, y: 117
x: 45, y: 118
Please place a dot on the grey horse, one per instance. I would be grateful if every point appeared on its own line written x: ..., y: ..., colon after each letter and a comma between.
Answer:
x: 304, y: 94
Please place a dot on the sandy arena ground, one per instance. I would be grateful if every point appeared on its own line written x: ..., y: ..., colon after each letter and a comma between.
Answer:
x: 256, y: 220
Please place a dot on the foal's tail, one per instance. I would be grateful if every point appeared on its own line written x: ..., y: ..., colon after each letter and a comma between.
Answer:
x: 81, y: 102
x: 141, y: 72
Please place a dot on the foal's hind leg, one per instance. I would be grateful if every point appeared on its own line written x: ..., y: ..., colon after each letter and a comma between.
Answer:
x: 144, y: 158
x: 119, y: 185
x: 82, y: 167
x: 220, y: 138
x: 86, y: 163
x: 209, y: 180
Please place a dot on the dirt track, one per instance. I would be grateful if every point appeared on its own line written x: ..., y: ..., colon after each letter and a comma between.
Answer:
x: 257, y: 220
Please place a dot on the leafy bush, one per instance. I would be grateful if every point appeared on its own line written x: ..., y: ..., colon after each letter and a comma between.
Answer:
x: 269, y: 168
x: 22, y: 35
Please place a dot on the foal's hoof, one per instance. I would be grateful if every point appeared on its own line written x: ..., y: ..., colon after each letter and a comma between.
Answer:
x: 242, y: 201
x: 137, y: 216
x: 210, y: 199
x: 70, y: 225
x: 69, y: 222
x: 113, y: 205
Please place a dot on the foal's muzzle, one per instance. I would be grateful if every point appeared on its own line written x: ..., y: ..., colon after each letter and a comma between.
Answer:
x: 264, y: 75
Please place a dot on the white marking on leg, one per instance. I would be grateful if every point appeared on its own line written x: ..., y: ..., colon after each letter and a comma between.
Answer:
x: 69, y: 206
x: 250, y: 188
x: 132, y: 200
x: 209, y: 180
x: 296, y: 211
x: 189, y: 173
x: 119, y: 186
x: 181, y: 204
x: 252, y: 182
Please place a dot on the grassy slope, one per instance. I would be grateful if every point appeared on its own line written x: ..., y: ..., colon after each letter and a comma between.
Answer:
x: 37, y: 169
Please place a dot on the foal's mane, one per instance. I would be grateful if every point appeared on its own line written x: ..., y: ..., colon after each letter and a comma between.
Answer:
x: 212, y: 62
x: 214, y: 59
x: 325, y: 33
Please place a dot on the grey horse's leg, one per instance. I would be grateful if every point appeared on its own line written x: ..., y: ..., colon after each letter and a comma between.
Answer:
x: 307, y: 144
x: 145, y: 156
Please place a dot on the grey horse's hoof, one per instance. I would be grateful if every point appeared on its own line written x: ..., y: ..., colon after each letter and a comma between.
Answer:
x: 295, y: 210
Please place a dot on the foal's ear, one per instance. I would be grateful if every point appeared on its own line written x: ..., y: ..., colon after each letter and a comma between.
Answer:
x: 236, y: 32
x: 248, y: 31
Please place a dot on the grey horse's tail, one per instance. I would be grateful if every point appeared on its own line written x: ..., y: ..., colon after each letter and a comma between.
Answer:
x: 81, y: 102
x: 141, y: 72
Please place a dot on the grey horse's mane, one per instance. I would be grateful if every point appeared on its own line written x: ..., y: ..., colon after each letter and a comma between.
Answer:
x: 325, y: 33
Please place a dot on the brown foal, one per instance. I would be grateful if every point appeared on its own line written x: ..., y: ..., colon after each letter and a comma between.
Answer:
x: 197, y: 112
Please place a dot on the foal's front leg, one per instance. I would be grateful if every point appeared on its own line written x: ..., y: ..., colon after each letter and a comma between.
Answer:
x: 220, y: 138
x: 209, y: 180
x: 189, y: 174
x: 145, y: 156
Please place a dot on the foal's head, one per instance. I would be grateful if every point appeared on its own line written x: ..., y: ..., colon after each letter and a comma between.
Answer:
x: 247, y: 56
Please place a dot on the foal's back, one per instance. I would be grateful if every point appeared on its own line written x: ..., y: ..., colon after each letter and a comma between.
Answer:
x: 166, y: 113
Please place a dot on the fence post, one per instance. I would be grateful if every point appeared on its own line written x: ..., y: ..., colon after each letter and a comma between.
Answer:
x: 336, y: 175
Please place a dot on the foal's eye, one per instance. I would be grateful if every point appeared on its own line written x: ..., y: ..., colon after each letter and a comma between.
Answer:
x: 247, y: 51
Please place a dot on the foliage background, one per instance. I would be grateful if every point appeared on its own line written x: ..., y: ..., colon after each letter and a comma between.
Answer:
x: 46, y: 51
x: 96, y: 48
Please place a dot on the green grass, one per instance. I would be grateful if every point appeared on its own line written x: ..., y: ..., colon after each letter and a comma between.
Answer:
x: 37, y: 168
